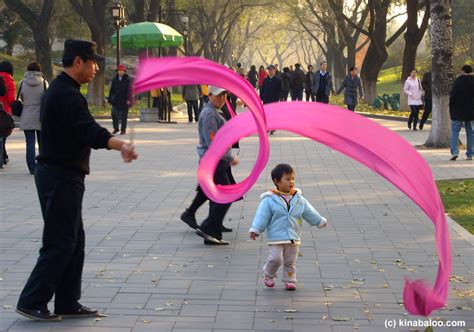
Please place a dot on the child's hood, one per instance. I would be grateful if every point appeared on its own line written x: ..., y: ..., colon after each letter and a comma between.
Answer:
x: 273, y: 192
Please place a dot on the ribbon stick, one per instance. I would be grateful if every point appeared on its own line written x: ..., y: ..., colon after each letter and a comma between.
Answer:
x: 381, y: 150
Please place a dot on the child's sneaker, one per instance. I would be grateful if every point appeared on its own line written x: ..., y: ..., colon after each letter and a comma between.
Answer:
x: 269, y: 282
x: 290, y: 285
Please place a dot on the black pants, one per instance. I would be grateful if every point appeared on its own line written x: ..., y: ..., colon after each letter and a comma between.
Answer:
x: 5, y: 154
x: 322, y: 97
x: 309, y: 94
x: 284, y: 95
x: 351, y: 108
x: 192, y: 105
x: 202, y: 101
x: 212, y: 225
x: 427, y: 112
x: 415, y: 111
x: 58, y: 270
x: 119, y: 115
x: 297, y: 94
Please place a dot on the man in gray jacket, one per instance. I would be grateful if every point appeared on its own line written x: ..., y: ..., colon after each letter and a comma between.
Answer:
x: 211, y: 120
x: 322, y: 83
x: 191, y: 94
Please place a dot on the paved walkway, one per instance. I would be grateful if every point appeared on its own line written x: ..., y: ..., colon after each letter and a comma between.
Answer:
x: 148, y: 272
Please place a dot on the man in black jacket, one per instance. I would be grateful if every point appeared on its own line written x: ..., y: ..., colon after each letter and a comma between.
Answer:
x: 120, y: 98
x: 67, y: 135
x: 297, y: 83
x: 322, y: 83
x: 426, y: 84
x: 309, y: 84
x: 461, y: 109
x: 271, y: 89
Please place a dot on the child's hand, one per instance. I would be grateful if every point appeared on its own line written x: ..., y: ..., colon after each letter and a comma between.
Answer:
x: 323, y: 223
x: 253, y: 235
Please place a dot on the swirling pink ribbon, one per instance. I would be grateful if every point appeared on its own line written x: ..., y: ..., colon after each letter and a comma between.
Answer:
x: 371, y: 144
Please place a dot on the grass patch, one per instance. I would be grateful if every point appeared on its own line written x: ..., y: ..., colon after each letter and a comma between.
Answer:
x: 389, y: 80
x: 457, y: 198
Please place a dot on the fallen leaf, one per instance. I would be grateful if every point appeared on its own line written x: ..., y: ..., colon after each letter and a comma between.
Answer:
x: 158, y: 309
x: 291, y: 310
x: 385, y: 286
x: 325, y: 317
x: 146, y: 321
x: 168, y: 303
x: 463, y: 308
x: 98, y: 319
x: 7, y: 306
x: 341, y: 319
x: 210, y: 265
x: 272, y: 321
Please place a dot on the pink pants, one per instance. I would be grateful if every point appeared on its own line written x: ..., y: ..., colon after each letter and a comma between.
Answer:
x: 279, y: 254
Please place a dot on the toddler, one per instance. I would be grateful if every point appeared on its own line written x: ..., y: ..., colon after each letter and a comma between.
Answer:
x: 280, y: 213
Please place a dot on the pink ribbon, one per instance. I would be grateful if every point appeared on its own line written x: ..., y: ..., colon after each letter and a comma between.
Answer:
x: 371, y: 144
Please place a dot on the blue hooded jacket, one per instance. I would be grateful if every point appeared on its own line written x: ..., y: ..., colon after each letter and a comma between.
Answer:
x: 283, y: 222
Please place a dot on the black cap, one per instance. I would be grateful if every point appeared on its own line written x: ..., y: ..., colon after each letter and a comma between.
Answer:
x: 271, y: 67
x: 83, y: 48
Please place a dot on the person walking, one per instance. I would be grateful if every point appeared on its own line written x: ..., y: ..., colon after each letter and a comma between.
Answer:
x: 121, y: 99
x: 191, y: 94
x: 351, y: 85
x: 286, y: 84
x: 68, y: 132
x: 210, y: 121
x: 262, y: 75
x: 309, y: 84
x: 414, y: 92
x: 32, y: 88
x: 297, y: 83
x: 426, y: 85
x: 6, y: 72
x: 271, y: 89
x: 252, y: 76
x: 322, y: 83
x: 461, y: 110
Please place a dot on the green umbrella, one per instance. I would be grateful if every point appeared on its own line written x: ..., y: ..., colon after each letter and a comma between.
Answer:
x: 148, y: 35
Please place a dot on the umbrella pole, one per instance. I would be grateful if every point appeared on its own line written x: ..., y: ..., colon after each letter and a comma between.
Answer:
x: 148, y: 94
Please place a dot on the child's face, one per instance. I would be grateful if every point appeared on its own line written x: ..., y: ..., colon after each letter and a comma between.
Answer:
x: 286, y: 183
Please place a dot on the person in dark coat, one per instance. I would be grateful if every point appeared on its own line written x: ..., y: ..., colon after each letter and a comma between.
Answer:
x: 121, y: 99
x: 309, y: 84
x: 286, y: 84
x: 461, y: 110
x: 297, y: 83
x: 272, y: 87
x: 351, y: 84
x: 252, y: 76
x: 426, y: 84
x: 191, y: 95
x: 68, y: 132
x: 322, y: 83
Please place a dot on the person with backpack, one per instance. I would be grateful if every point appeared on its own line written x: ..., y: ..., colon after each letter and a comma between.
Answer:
x: 32, y: 88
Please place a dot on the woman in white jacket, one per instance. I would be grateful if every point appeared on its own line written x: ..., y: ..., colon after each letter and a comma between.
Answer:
x: 415, y: 99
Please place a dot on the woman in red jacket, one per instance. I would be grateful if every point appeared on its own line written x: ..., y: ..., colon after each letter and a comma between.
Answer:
x: 6, y: 71
x: 262, y: 75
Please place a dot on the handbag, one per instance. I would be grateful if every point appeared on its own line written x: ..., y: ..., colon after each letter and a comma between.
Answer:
x: 17, y: 105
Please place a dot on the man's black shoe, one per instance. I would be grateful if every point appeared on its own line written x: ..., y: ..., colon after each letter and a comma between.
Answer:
x: 226, y: 230
x: 81, y: 312
x: 115, y: 131
x: 38, y: 315
x: 189, y: 219
x: 217, y: 243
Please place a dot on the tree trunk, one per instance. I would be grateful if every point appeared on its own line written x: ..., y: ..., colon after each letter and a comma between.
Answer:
x: 95, y: 89
x: 371, y: 66
x: 442, y: 72
x: 43, y: 52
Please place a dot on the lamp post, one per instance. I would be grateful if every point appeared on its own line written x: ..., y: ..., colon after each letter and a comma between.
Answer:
x: 118, y: 14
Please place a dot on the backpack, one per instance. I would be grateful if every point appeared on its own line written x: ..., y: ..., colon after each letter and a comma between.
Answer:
x: 6, y: 123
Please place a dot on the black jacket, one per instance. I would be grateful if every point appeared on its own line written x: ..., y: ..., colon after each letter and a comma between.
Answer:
x: 297, y: 79
x: 461, y: 101
x: 309, y: 81
x: 68, y: 130
x: 286, y: 79
x: 271, y: 89
x: 119, y: 92
x: 426, y: 84
x: 252, y: 77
